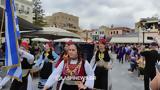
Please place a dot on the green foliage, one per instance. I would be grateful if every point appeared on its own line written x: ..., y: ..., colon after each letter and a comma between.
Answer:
x: 38, y: 13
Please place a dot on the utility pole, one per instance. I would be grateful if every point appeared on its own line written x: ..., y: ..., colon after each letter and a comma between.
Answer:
x: 86, y: 35
x: 143, y: 37
x: 144, y: 29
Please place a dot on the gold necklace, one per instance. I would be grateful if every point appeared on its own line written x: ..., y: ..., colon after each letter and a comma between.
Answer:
x: 71, y: 72
x: 101, y: 56
x: 46, y: 54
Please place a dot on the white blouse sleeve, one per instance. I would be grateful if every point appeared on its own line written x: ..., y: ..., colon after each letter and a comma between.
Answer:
x: 5, y: 81
x: 39, y: 61
x: 28, y: 56
x: 90, y: 75
x: 93, y: 61
x: 55, y: 75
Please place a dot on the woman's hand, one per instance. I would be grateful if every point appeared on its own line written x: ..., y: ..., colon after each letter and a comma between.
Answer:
x: 81, y: 85
x: 100, y: 63
x: 109, y: 66
x: 45, y: 88
x: 51, y: 61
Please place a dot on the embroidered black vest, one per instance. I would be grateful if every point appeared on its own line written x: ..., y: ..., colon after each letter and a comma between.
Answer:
x: 106, y: 56
x: 25, y: 64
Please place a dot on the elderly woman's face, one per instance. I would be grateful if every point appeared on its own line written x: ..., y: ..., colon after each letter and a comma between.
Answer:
x: 72, y: 51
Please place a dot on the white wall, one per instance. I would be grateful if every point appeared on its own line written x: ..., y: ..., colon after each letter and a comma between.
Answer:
x: 28, y: 17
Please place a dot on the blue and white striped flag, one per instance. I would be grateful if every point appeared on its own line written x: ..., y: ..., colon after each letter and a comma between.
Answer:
x: 11, y: 35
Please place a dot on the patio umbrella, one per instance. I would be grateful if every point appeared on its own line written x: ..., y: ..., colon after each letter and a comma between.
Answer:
x: 68, y: 39
x: 52, y: 33
x: 40, y: 40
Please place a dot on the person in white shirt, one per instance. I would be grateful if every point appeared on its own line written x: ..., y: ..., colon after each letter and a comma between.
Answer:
x: 27, y: 60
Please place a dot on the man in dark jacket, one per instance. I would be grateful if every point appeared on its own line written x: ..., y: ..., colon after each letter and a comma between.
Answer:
x: 151, y: 57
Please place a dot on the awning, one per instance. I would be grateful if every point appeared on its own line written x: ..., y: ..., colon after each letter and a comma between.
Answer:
x: 129, y: 40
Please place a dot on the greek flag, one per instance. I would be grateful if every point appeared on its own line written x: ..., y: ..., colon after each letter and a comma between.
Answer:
x: 12, y: 60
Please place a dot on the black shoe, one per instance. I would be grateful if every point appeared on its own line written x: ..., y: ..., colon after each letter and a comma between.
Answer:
x: 40, y: 86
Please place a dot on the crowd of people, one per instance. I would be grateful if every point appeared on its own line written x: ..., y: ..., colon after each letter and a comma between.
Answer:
x: 77, y: 66
x: 142, y: 58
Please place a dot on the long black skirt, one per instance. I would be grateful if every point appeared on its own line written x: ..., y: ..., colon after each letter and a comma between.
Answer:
x: 101, y: 81
x: 69, y: 87
x: 46, y: 70
x: 17, y: 85
x: 72, y: 87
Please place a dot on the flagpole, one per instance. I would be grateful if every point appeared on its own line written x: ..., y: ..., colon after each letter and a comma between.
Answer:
x: 1, y: 26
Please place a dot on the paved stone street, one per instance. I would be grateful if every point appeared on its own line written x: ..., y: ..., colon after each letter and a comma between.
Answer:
x: 122, y: 80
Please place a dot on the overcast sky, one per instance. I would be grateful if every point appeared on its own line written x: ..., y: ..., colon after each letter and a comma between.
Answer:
x: 94, y: 13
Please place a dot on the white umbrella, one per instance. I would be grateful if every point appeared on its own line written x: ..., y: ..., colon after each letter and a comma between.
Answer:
x: 69, y: 39
x: 58, y: 32
x: 52, y: 33
x: 40, y: 39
